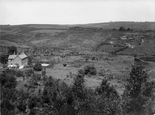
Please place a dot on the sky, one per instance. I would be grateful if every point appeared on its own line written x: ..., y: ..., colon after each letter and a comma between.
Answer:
x: 75, y: 11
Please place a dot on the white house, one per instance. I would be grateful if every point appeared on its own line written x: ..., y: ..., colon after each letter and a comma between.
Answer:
x: 20, y: 60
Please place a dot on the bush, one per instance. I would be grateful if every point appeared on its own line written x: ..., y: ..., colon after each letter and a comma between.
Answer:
x: 29, y: 72
x: 64, y: 64
x: 7, y: 79
x: 81, y: 72
x: 90, y: 69
x: 30, y: 60
x: 4, y: 59
x: 19, y: 74
x: 107, y: 90
x: 101, y: 72
x: 12, y: 50
x: 36, y: 77
x: 43, y: 73
x: 37, y: 67
x: 122, y: 29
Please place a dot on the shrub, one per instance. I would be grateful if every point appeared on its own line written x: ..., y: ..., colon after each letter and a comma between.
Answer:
x: 122, y: 29
x: 43, y: 73
x: 7, y: 79
x: 29, y: 72
x: 129, y: 29
x: 12, y: 50
x: 36, y: 77
x: 101, y: 72
x: 81, y: 72
x: 78, y: 86
x: 30, y: 60
x: 19, y: 74
x: 4, y: 59
x: 37, y: 67
x: 107, y: 90
x: 90, y: 69
x: 64, y: 64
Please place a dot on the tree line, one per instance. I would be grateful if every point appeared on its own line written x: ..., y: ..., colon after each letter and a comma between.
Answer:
x: 58, y: 98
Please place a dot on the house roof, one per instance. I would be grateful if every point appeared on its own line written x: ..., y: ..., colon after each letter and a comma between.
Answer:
x: 22, y: 56
x: 12, y: 56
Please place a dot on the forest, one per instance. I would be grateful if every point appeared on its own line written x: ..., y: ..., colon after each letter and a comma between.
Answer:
x: 58, y: 98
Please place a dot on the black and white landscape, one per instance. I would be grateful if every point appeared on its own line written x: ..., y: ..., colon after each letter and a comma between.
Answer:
x: 60, y: 58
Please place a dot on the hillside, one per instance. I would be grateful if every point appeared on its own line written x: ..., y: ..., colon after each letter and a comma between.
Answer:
x: 106, y: 37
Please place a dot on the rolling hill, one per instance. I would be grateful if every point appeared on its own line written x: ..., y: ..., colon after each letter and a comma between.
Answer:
x: 84, y: 37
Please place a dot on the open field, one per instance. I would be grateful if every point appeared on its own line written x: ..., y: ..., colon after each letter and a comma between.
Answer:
x: 114, y: 68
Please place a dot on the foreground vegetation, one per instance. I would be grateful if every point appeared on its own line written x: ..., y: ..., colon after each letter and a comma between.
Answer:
x: 55, y: 97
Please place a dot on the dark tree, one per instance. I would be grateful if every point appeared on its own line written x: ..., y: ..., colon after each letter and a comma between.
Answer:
x: 138, y: 78
x: 4, y: 59
x: 8, y: 92
x: 78, y: 86
x: 7, y: 79
x: 106, y: 89
x: 122, y: 29
x: 37, y: 67
x: 12, y: 50
x: 29, y: 60
x: 108, y: 101
x: 90, y: 69
x: 128, y: 29
x: 138, y: 92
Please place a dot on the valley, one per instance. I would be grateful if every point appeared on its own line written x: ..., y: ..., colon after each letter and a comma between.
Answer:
x: 59, y: 54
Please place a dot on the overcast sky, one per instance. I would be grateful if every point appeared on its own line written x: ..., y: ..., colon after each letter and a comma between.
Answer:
x: 75, y: 11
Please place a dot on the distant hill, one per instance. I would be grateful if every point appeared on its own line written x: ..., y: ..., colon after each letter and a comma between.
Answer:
x: 82, y: 36
x: 133, y: 25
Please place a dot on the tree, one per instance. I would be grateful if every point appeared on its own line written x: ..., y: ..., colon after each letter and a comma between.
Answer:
x: 128, y: 29
x: 138, y: 78
x: 122, y: 29
x: 107, y: 90
x: 7, y: 79
x: 138, y: 92
x: 4, y: 59
x: 12, y: 50
x: 78, y: 86
x: 19, y: 73
x: 107, y: 99
x: 55, y: 95
x: 29, y: 60
x: 90, y: 69
x: 37, y: 67
x: 77, y: 98
x: 8, y: 92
